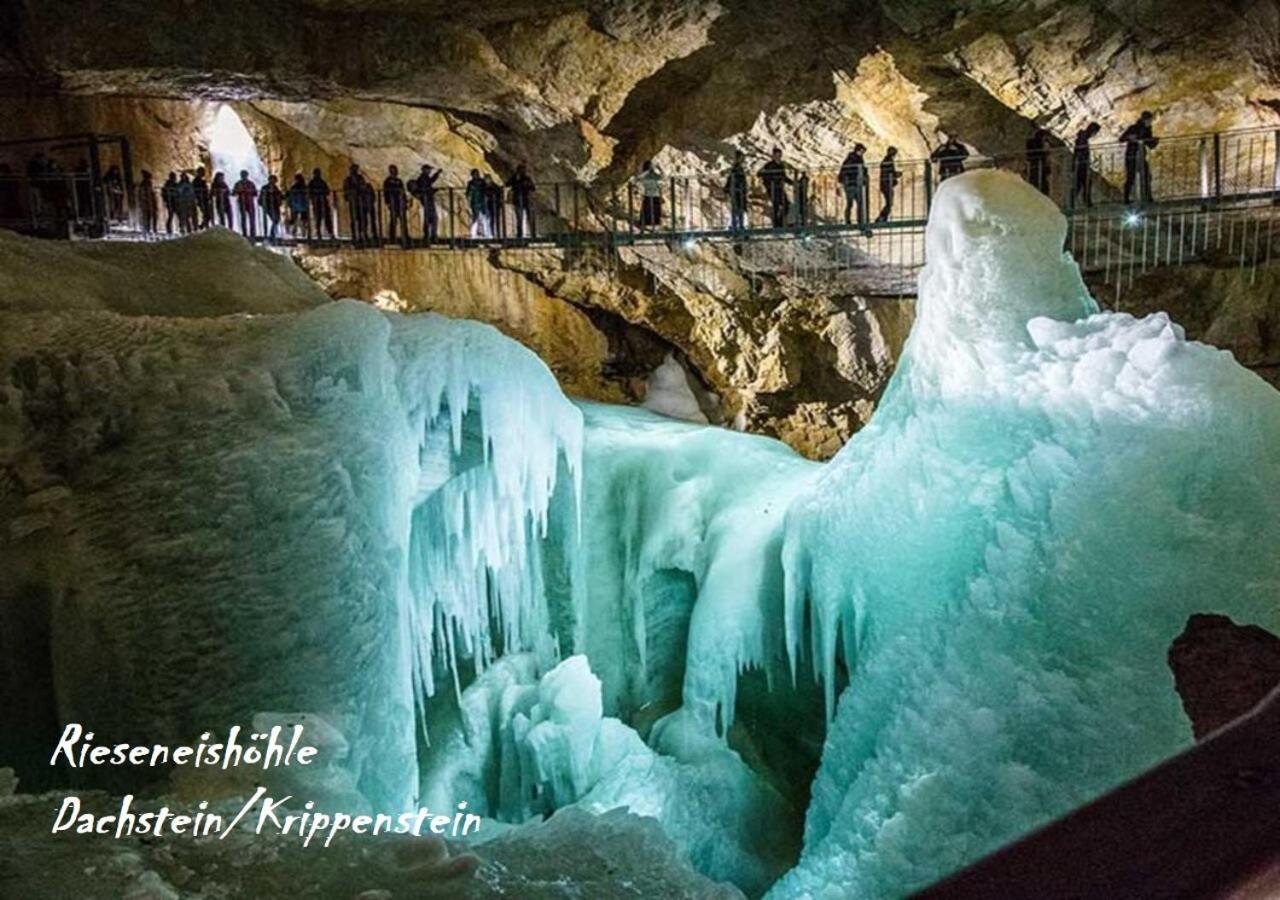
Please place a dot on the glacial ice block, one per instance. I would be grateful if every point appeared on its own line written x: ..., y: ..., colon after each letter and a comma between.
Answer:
x: 316, y: 513
x: 682, y: 535
x: 1003, y: 555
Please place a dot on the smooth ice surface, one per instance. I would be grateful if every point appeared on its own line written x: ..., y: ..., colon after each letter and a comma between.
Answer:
x: 1004, y: 554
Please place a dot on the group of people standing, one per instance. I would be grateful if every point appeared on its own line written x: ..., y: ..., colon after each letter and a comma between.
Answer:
x: 488, y: 210
x: 306, y: 208
x: 780, y: 184
x: 1138, y: 140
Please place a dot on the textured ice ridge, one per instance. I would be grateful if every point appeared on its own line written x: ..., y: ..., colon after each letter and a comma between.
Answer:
x: 1002, y: 557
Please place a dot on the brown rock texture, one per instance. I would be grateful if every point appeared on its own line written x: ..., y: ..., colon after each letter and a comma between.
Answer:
x: 797, y: 357
x: 1222, y: 670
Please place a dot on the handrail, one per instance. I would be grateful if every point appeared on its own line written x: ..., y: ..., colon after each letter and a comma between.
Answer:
x: 1212, y: 168
x: 1202, y: 824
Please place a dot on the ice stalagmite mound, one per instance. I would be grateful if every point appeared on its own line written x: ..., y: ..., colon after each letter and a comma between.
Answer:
x: 1004, y: 555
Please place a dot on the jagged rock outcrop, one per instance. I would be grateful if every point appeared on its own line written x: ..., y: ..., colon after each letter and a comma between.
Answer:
x: 800, y: 357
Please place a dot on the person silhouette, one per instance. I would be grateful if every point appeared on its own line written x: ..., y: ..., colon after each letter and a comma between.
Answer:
x: 773, y: 175
x: 1138, y: 140
x: 735, y: 187
x: 889, y: 178
x: 246, y: 208
x: 853, y: 178
x: 1082, y: 164
x: 1038, y: 162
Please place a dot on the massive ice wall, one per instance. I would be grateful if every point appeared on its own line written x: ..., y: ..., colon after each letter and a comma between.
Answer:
x: 319, y: 514
x: 1004, y: 555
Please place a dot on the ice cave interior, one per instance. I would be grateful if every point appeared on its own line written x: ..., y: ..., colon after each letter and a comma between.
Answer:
x: 840, y: 679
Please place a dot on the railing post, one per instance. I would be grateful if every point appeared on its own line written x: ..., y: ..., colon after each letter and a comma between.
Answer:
x: 1275, y: 162
x: 1204, y: 168
x: 1217, y: 166
x: 672, y: 212
x: 97, y: 197
x: 928, y: 186
x: 1067, y: 175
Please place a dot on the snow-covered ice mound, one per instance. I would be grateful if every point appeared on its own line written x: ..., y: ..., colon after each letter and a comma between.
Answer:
x: 211, y: 273
x: 1005, y: 553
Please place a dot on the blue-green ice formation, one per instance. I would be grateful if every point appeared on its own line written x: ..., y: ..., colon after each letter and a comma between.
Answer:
x: 506, y: 598
x: 999, y: 562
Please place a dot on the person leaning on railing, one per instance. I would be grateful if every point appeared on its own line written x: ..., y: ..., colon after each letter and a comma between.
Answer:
x: 246, y: 202
x: 950, y: 157
x: 299, y: 201
x: 186, y: 203
x: 169, y: 197
x: 269, y: 199
x: 773, y: 175
x: 221, y: 193
x: 495, y: 207
x: 369, y: 209
x: 200, y: 185
x: 423, y: 188
x: 478, y: 202
x: 353, y: 196
x: 1038, y: 166
x: 321, y: 204
x: 522, y: 188
x: 113, y: 184
x: 147, y: 210
x: 853, y: 178
x: 393, y: 194
x: 1138, y: 140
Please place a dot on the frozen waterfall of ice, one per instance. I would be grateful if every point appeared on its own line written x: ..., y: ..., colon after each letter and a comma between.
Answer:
x: 531, y: 747
x: 326, y: 513
x: 1004, y: 554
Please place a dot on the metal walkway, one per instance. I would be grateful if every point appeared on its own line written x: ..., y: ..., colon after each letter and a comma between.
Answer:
x: 1210, y: 192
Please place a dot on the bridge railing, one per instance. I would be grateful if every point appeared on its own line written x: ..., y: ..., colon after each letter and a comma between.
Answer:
x: 1236, y: 166
x: 58, y: 203
x: 1207, y: 168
